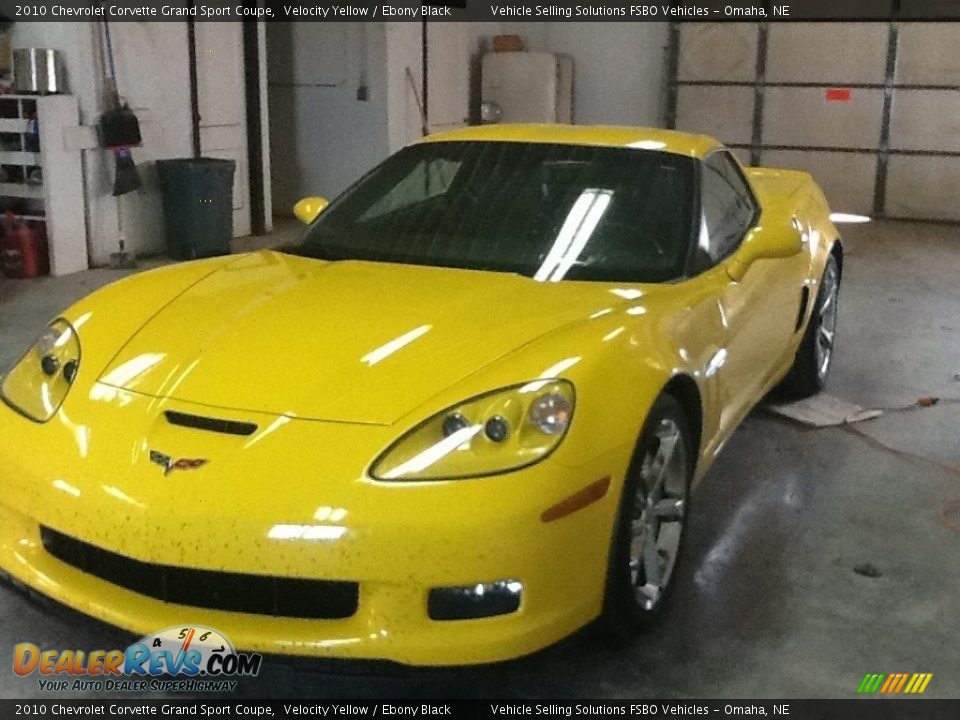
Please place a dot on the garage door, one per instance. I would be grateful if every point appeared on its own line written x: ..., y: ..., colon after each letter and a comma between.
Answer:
x: 871, y: 109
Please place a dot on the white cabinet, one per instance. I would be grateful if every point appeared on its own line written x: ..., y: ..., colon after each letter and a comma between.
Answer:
x: 40, y: 180
x: 529, y: 87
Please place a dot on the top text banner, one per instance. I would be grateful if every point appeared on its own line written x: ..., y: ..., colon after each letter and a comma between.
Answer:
x: 480, y: 11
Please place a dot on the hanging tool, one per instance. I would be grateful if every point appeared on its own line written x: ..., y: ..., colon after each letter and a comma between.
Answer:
x: 119, y: 132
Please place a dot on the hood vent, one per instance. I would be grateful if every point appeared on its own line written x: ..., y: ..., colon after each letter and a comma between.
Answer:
x: 199, y: 422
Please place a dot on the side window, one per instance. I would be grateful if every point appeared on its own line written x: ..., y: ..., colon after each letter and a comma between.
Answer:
x: 728, y: 210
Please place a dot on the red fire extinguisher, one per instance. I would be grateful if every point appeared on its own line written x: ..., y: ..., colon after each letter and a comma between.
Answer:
x: 24, y: 250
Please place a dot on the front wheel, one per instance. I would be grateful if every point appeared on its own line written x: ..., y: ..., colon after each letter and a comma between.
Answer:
x: 808, y: 376
x: 651, y: 523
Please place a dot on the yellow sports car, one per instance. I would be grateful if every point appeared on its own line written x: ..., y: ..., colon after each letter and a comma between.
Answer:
x: 455, y: 422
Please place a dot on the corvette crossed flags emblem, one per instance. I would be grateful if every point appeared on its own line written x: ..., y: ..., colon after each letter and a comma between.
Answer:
x: 169, y: 464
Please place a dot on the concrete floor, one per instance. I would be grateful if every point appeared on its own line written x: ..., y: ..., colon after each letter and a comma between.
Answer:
x: 767, y: 603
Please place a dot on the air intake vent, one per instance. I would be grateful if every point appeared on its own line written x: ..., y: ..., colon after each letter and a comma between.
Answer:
x: 199, y: 422
x: 258, y: 594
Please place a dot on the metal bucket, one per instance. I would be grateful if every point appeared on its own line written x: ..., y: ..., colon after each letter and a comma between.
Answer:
x: 38, y: 70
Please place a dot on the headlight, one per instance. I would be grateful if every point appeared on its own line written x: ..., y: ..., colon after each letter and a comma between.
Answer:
x: 38, y: 384
x: 490, y: 434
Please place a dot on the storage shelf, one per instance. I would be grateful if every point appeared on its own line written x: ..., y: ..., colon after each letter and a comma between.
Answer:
x: 58, y: 201
x: 13, y: 125
x: 18, y: 157
x: 21, y: 190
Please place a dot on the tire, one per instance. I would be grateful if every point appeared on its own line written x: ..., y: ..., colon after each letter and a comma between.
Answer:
x: 811, y: 366
x: 658, y: 480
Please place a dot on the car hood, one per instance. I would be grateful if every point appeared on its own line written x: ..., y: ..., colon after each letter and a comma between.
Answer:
x: 343, y: 341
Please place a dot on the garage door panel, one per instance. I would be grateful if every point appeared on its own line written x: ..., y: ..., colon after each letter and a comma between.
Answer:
x: 923, y: 187
x: 827, y: 53
x: 823, y: 105
x: 925, y: 120
x: 807, y: 117
x: 928, y: 54
x: 742, y: 155
x: 725, y: 113
x: 718, y: 51
x: 847, y: 179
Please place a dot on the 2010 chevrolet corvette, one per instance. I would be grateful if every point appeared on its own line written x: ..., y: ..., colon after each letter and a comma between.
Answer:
x: 457, y: 421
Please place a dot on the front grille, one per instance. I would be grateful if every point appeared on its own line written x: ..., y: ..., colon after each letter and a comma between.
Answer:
x: 259, y: 594
x: 217, y: 425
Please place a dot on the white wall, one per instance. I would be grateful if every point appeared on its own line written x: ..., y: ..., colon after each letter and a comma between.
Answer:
x: 153, y: 77
x: 322, y: 136
x: 404, y: 52
x: 619, y: 68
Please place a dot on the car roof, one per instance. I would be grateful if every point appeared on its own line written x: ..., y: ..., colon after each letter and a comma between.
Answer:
x: 620, y: 136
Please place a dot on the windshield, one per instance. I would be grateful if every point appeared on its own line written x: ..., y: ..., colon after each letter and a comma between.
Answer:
x: 550, y: 212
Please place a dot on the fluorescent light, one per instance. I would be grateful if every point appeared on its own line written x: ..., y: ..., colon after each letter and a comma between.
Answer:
x: 434, y: 453
x: 121, y: 495
x: 388, y: 349
x: 579, y: 225
x: 129, y: 371
x: 555, y: 370
x: 839, y: 217
x: 648, y: 145
x: 597, y: 208
x: 306, y: 532
x: 716, y: 362
x: 326, y: 514
x: 66, y: 487
x: 271, y: 428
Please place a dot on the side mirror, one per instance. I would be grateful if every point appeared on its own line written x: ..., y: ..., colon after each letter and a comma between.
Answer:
x: 307, y: 209
x: 763, y: 243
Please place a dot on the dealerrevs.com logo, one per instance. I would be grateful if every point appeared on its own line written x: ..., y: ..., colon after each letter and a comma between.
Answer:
x: 188, y: 658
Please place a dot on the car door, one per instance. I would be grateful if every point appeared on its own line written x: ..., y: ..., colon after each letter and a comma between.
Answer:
x: 758, y: 305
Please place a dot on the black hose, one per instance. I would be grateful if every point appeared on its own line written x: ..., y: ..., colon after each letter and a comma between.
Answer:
x: 194, y: 90
x: 110, y: 63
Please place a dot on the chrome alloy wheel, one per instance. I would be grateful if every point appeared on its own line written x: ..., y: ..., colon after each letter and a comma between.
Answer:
x: 827, y: 320
x: 658, y: 514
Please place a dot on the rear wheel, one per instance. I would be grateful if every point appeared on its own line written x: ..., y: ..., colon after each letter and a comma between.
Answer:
x: 808, y: 376
x: 651, y: 522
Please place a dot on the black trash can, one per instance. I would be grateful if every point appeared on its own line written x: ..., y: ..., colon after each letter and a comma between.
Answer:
x: 197, y: 206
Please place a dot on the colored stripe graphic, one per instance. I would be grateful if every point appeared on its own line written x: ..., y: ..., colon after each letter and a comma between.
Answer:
x: 918, y: 683
x: 903, y: 679
x: 891, y: 681
x: 871, y: 682
x: 894, y: 683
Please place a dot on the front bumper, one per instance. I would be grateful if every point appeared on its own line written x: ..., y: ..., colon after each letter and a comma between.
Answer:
x: 396, y: 541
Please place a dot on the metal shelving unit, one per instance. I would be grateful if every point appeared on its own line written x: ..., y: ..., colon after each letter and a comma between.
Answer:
x: 41, y: 180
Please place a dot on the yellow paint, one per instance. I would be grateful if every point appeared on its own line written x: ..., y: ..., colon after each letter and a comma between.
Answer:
x: 309, y: 208
x: 334, y: 362
x: 697, y: 146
